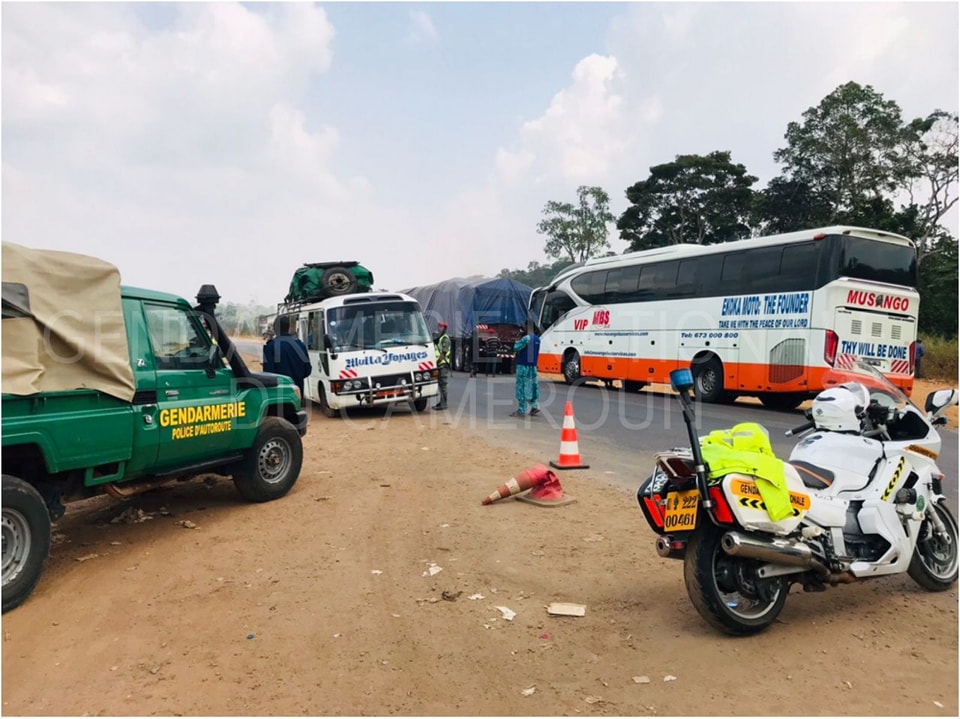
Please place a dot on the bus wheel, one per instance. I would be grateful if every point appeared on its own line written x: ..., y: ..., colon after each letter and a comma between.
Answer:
x: 325, y: 407
x: 708, y: 379
x: 571, y: 367
x: 782, y: 400
x: 633, y: 385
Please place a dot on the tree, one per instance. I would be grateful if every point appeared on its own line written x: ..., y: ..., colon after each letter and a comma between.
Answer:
x: 850, y: 149
x: 787, y: 205
x: 696, y: 199
x: 854, y: 161
x: 933, y: 157
x: 938, y: 288
x: 536, y: 275
x: 577, y: 232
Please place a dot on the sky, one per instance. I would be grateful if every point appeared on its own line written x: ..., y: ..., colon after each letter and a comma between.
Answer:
x: 229, y: 143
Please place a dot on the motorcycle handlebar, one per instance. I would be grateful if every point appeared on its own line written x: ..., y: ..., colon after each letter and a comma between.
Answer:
x: 802, y: 428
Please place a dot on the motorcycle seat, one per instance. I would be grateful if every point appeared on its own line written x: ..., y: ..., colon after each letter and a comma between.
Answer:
x: 813, y: 476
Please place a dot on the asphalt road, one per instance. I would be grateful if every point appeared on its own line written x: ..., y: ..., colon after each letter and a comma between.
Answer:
x: 618, y: 432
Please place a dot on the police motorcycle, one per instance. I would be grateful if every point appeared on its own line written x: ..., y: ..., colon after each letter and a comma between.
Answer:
x: 859, y: 497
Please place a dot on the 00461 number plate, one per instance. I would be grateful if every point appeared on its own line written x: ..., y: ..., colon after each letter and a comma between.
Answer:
x: 681, y: 514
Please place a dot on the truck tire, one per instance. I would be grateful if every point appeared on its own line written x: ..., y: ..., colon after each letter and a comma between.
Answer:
x: 459, y: 352
x: 26, y: 540
x: 271, y: 467
x: 338, y: 281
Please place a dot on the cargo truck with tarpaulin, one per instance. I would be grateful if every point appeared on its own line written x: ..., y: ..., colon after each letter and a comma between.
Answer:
x: 484, y: 316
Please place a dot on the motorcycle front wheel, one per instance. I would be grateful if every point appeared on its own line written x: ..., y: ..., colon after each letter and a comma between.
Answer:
x: 934, y: 562
x: 725, y: 590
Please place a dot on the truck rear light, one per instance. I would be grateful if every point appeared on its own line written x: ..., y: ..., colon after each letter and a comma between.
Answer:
x: 830, y: 344
x: 913, y: 356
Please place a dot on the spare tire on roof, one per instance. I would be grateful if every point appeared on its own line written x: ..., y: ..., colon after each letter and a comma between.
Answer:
x: 338, y: 281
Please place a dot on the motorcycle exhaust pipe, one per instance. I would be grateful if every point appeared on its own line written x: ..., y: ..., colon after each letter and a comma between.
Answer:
x: 665, y: 550
x: 775, y: 551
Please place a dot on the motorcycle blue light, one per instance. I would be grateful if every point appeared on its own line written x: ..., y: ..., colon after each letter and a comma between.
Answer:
x: 681, y: 379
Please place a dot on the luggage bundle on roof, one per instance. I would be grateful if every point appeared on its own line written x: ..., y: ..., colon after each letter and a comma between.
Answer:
x: 319, y: 280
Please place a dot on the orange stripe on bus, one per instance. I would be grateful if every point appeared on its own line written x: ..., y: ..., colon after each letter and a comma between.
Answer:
x: 746, y: 377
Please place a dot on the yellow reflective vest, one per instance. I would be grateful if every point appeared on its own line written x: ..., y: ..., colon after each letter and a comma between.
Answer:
x: 745, y: 448
x: 443, y: 350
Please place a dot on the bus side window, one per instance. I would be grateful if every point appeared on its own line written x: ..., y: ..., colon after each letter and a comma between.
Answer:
x: 611, y: 290
x: 590, y: 286
x: 761, y: 270
x: 629, y: 283
x: 688, y: 282
x: 731, y: 280
x: 798, y: 267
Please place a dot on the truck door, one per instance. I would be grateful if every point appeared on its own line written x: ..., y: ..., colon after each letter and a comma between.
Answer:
x: 196, y: 400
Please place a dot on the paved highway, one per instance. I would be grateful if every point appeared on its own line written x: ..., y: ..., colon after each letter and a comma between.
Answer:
x: 618, y: 432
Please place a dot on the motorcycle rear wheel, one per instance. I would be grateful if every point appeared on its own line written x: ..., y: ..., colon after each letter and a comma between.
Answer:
x: 725, y: 590
x: 934, y: 562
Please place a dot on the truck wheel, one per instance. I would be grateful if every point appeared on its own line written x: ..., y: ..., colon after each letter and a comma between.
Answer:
x: 271, y: 467
x: 458, y: 356
x: 26, y: 540
x: 325, y: 407
x: 338, y: 281
x: 632, y: 385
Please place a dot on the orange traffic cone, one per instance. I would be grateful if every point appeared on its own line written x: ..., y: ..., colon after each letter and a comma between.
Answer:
x: 569, y: 448
x: 548, y: 493
x: 521, y: 483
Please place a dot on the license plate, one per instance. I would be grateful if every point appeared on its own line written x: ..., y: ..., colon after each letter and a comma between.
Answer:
x: 681, y: 515
x: 384, y: 393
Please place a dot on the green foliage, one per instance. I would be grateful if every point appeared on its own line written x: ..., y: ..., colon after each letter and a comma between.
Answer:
x: 789, y: 205
x: 696, y: 199
x: 850, y: 149
x: 536, y: 275
x: 939, y: 360
x: 938, y: 289
x: 579, y: 231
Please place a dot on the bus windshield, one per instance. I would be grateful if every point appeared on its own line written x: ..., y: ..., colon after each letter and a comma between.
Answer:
x: 376, y: 326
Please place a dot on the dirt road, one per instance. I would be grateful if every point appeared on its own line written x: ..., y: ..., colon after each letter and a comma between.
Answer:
x: 323, y: 603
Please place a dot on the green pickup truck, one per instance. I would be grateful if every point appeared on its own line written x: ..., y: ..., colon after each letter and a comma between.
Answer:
x: 108, y: 388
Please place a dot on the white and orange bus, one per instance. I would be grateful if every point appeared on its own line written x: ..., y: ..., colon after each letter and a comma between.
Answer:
x: 765, y: 317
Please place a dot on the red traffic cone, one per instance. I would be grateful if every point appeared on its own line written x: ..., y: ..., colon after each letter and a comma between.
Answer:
x: 521, y: 483
x: 569, y: 448
x: 548, y: 493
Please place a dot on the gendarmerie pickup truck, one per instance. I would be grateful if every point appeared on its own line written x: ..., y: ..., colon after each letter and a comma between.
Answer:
x: 108, y: 388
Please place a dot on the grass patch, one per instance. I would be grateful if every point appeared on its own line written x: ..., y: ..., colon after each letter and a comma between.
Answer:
x: 940, y: 359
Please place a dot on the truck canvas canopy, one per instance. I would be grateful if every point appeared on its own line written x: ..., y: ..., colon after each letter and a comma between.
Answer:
x: 465, y: 303
x: 63, y: 326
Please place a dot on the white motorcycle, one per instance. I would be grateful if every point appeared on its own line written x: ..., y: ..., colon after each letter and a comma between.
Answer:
x: 862, y: 495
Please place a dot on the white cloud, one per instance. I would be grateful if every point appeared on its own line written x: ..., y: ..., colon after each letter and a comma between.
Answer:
x: 580, y: 133
x: 422, y: 30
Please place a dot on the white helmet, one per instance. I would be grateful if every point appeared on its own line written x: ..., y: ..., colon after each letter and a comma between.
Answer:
x: 840, y: 408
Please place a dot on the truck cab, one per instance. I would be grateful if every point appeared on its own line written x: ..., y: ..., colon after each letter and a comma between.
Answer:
x: 119, y: 390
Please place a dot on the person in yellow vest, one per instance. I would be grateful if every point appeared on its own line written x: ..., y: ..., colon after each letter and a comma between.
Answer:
x: 443, y: 344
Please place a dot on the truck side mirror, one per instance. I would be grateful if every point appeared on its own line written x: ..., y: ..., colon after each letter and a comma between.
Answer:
x: 328, y: 346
